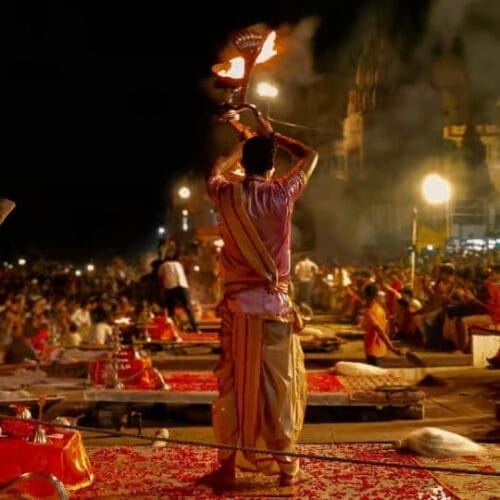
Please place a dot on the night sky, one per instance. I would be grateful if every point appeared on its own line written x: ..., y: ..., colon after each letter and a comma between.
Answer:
x: 98, y: 120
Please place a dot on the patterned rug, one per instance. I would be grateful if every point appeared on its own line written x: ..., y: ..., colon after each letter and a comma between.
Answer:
x: 146, y: 472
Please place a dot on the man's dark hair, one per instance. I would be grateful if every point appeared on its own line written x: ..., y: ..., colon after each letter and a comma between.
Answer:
x: 448, y: 268
x: 258, y: 155
x: 404, y: 303
x: 370, y: 291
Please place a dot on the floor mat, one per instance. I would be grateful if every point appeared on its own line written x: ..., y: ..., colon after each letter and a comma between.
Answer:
x: 206, y: 381
x: 173, y: 471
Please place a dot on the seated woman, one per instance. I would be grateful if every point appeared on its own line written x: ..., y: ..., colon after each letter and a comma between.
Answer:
x: 429, y: 320
x: 488, y: 306
x: 19, y: 349
x: 463, y: 303
x: 406, y: 307
x: 351, y: 307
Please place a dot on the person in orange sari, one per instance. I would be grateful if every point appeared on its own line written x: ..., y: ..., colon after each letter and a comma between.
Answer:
x: 375, y: 325
x: 261, y: 373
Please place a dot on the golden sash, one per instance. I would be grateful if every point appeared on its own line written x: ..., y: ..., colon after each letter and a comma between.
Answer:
x: 252, y: 247
x: 245, y: 234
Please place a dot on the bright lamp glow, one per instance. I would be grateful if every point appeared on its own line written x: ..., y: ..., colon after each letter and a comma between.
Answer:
x: 184, y: 192
x: 21, y: 261
x: 436, y: 189
x: 265, y: 89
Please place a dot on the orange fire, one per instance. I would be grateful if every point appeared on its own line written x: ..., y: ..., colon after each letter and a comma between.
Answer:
x: 267, y: 51
x: 234, y: 68
x: 238, y: 68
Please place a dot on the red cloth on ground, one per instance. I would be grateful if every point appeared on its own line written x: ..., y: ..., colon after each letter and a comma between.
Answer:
x: 64, y: 456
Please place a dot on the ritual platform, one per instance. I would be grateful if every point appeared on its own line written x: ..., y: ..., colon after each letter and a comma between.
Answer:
x: 485, y: 344
x: 367, y: 470
x: 325, y: 388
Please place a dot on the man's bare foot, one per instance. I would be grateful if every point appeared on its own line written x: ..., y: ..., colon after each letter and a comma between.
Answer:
x: 286, y: 480
x: 220, y: 479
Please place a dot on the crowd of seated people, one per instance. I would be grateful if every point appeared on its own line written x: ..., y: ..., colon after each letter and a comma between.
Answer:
x: 51, y: 305
x: 42, y: 308
x: 446, y: 301
x: 456, y: 300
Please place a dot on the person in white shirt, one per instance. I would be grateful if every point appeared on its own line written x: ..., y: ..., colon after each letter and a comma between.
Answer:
x: 81, y: 318
x: 176, y: 289
x: 305, y: 272
x: 100, y: 332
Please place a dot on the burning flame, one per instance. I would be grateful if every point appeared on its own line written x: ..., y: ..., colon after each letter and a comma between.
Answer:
x: 267, y: 51
x: 234, y: 68
x: 236, y: 71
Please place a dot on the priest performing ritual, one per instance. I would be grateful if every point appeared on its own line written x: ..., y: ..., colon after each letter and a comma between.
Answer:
x: 261, y: 373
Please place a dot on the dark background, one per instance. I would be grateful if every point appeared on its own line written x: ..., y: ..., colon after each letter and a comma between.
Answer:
x: 104, y: 109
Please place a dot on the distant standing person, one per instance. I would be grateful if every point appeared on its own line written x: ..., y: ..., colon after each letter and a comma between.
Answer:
x: 176, y: 289
x: 375, y: 326
x: 305, y: 272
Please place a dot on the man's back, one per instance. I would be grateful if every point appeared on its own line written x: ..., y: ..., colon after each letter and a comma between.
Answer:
x: 269, y: 205
x: 306, y: 269
x: 172, y: 275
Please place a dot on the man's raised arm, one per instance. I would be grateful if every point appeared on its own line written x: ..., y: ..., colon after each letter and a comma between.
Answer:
x: 307, y: 157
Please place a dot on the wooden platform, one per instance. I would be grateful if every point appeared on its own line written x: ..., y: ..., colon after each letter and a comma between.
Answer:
x: 485, y: 343
x: 325, y: 389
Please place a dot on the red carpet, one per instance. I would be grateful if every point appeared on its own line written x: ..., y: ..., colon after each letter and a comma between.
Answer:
x: 191, y: 337
x: 172, y: 472
x: 363, y: 390
x: 205, y: 381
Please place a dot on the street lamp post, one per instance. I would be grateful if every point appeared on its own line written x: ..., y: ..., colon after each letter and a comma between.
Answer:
x: 436, y: 190
x: 414, y: 222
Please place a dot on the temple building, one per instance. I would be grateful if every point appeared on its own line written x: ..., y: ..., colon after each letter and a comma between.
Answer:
x: 405, y: 117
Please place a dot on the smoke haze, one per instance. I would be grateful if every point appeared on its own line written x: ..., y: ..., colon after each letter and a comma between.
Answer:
x: 403, y: 138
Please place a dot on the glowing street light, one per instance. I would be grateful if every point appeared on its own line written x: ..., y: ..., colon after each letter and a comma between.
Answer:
x: 184, y: 193
x: 436, y: 189
x: 185, y: 220
x: 161, y: 231
x: 21, y: 262
x: 266, y: 89
x: 90, y: 268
